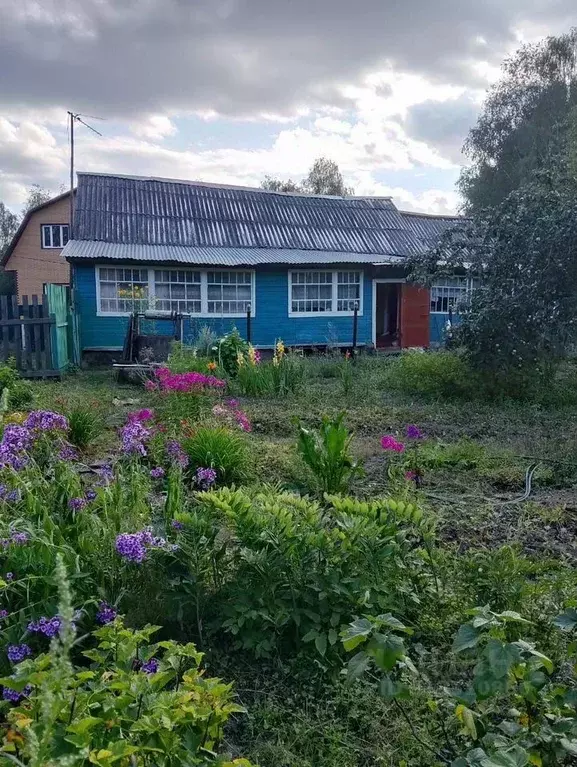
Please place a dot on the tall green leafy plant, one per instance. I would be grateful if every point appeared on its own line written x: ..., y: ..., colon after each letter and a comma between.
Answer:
x: 221, y: 449
x: 327, y: 454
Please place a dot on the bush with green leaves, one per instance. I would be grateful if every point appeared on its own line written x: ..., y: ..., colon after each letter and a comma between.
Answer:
x: 435, y: 374
x: 221, y: 449
x: 20, y: 394
x: 327, y: 454
x: 186, y: 359
x: 131, y: 701
x: 284, y: 572
x: 510, y: 708
x: 228, y: 349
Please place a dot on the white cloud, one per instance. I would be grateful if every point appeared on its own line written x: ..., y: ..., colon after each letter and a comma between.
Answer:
x: 153, y: 127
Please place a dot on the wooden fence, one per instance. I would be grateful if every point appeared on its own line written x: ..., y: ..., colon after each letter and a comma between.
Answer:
x: 32, y: 334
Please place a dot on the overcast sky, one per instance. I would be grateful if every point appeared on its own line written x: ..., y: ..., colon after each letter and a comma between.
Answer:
x: 231, y: 90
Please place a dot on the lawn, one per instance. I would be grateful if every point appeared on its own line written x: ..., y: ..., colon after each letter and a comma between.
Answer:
x: 478, y: 511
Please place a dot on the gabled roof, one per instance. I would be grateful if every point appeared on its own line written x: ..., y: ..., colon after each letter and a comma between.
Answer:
x: 24, y: 223
x: 186, y: 221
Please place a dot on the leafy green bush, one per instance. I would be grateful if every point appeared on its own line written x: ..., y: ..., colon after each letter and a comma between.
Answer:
x: 21, y: 395
x: 224, y: 450
x: 136, y: 698
x: 289, y: 572
x: 229, y: 348
x: 86, y: 425
x: 278, y: 377
x: 431, y: 374
x: 327, y: 454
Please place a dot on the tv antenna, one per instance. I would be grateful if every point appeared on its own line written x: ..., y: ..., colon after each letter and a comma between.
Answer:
x: 76, y: 117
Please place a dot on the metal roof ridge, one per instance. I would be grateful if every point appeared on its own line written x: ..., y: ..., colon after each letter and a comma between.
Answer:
x: 240, y: 187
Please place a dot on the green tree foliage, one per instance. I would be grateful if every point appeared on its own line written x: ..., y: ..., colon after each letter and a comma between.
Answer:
x: 324, y: 177
x: 523, y: 316
x: 526, y: 120
x: 8, y: 225
x: 37, y: 195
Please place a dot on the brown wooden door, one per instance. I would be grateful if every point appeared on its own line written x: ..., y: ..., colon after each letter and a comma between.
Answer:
x: 415, y: 308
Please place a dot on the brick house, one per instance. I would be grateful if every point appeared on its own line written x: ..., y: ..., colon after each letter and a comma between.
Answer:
x: 34, y: 254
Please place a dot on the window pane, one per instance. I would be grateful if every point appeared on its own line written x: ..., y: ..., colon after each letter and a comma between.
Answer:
x: 312, y: 291
x: 46, y: 236
x: 64, y: 234
x: 174, y: 288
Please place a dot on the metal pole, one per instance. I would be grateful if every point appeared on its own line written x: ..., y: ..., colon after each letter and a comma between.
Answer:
x: 355, y: 326
x: 71, y: 223
x: 248, y: 323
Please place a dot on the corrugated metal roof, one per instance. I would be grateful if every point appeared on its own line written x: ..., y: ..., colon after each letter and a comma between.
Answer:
x: 143, y: 211
x: 179, y: 254
x: 428, y: 228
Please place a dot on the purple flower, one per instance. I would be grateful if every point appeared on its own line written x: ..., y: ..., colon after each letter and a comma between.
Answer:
x: 68, y: 453
x: 77, y: 504
x: 134, y: 546
x: 9, y: 694
x: 157, y: 472
x: 91, y: 495
x: 133, y: 436
x: 413, y: 432
x: 13, y: 495
x: 19, y: 539
x: 176, y: 453
x: 16, y: 440
x: 176, y: 525
x: 3, y: 614
x: 46, y: 420
x: 106, y: 613
x: 47, y: 626
x: 150, y: 667
x: 232, y: 403
x: 204, y: 478
x: 9, y: 576
x: 388, y: 442
x: 17, y: 652
x: 131, y: 547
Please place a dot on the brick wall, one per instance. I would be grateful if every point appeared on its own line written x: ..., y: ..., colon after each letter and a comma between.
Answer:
x: 34, y: 265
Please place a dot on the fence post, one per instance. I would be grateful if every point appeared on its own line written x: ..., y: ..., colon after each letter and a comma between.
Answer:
x: 355, y: 327
x: 248, y: 323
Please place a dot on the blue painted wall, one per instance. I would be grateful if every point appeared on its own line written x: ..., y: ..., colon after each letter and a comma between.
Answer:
x: 271, y: 320
x: 438, y: 323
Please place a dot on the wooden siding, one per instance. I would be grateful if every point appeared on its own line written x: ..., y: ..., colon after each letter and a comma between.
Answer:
x: 35, y: 266
x: 271, y: 320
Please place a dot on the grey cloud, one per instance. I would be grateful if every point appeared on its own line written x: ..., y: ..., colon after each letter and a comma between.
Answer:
x: 236, y: 57
x: 442, y: 124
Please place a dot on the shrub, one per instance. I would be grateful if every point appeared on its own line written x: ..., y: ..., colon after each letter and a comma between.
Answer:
x: 283, y: 375
x: 84, y: 426
x: 21, y: 395
x: 431, y: 374
x: 291, y: 572
x: 133, y: 699
x: 229, y: 348
x: 219, y: 449
x: 327, y: 454
x: 185, y: 359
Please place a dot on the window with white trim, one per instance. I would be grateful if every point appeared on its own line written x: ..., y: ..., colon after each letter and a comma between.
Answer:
x: 54, y: 235
x: 318, y: 291
x: 122, y: 290
x: 348, y: 291
x: 450, y: 293
x: 228, y: 292
x: 177, y: 291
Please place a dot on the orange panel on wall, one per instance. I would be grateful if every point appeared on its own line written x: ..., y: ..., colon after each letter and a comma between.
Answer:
x: 415, y: 308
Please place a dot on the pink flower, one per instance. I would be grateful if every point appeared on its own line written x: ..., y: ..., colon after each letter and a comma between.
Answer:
x: 410, y: 476
x: 186, y: 382
x: 388, y: 442
x: 141, y: 415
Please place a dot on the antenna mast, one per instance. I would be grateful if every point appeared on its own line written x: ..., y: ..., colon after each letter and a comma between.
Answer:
x: 73, y: 118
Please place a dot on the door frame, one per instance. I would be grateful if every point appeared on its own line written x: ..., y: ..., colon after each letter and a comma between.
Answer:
x: 376, y: 280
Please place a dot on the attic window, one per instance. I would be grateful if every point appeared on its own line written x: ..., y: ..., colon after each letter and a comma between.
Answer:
x: 54, y: 235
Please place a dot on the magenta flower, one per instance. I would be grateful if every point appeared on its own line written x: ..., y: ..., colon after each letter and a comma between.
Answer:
x: 410, y: 476
x: 141, y: 415
x: 185, y: 382
x: 388, y: 442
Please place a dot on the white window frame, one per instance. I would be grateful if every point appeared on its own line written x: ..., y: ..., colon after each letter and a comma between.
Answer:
x: 49, y: 228
x: 466, y: 293
x: 151, y: 290
x: 335, y: 277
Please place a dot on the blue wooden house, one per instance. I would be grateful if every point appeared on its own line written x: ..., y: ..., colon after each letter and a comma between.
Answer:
x: 298, y: 263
